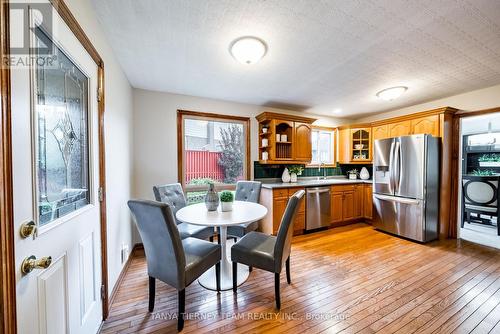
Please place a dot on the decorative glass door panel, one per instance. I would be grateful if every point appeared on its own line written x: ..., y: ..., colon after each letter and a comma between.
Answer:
x: 60, y: 137
x: 360, y: 144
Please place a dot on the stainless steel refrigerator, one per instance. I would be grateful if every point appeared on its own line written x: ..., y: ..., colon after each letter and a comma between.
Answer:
x: 406, y: 186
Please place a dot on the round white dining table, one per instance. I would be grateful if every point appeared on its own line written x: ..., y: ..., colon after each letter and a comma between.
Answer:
x: 242, y: 213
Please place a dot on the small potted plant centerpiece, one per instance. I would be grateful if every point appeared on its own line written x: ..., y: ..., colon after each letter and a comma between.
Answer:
x: 294, y: 172
x: 226, y: 201
x: 352, y: 174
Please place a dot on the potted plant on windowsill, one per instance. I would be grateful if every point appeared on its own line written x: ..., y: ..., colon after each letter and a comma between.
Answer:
x: 226, y: 201
x: 294, y: 172
x: 489, y: 160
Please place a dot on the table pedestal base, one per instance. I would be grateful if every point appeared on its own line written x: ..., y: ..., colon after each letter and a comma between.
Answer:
x: 207, y: 280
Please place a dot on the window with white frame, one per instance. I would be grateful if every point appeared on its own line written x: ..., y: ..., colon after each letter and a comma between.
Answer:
x: 323, y: 146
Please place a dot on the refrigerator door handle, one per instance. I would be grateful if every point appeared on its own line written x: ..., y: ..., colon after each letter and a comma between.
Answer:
x: 398, y: 170
x: 397, y: 199
x: 391, y: 168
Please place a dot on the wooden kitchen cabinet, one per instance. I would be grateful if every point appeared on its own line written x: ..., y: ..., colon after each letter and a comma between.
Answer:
x: 276, y: 200
x: 348, y: 202
x: 279, y: 206
x: 400, y: 129
x: 299, y: 224
x: 348, y: 205
x: 279, y: 202
x: 302, y: 142
x: 354, y: 145
x: 426, y: 125
x: 359, y: 191
x: 361, y: 144
x: 368, y: 201
x: 421, y: 125
x: 344, y: 145
x: 342, y: 203
x: 380, y: 132
x: 336, y: 200
x: 287, y: 139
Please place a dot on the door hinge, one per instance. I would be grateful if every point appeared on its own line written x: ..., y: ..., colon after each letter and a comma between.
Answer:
x: 103, y: 292
x: 100, y: 194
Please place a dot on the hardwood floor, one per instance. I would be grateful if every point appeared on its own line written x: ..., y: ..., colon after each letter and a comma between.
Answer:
x: 351, y: 279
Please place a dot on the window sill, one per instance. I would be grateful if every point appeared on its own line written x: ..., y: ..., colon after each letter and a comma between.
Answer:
x: 204, y: 187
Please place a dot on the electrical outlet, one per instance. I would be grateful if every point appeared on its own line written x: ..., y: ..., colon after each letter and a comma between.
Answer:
x: 124, y: 253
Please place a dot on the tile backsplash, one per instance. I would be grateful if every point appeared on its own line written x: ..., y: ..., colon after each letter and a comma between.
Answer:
x: 275, y: 171
x: 346, y: 168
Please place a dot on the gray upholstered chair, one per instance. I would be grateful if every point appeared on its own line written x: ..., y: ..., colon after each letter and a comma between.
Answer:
x: 175, y: 261
x: 248, y: 191
x: 173, y: 195
x: 268, y: 252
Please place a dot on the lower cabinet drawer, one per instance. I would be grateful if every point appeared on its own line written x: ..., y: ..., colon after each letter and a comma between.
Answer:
x: 343, y: 187
x: 349, y: 187
x: 280, y: 193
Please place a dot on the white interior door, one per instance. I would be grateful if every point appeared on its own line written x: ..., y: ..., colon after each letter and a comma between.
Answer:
x: 55, y: 163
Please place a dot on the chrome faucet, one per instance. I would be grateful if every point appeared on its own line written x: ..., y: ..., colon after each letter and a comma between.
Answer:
x: 324, y: 170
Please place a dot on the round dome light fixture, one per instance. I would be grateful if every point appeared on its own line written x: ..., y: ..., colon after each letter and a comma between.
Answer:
x: 391, y: 93
x: 248, y: 49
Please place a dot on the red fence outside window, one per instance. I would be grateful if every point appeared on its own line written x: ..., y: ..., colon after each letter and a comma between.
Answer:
x: 203, y: 164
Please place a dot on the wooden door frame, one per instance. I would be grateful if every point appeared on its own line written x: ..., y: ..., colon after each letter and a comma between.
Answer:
x: 455, y: 177
x: 7, y: 258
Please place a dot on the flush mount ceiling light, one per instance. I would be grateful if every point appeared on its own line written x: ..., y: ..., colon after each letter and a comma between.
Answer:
x: 392, y: 93
x: 248, y: 50
x: 337, y: 111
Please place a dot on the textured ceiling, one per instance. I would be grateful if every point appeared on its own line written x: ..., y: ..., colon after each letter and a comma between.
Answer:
x: 322, y: 54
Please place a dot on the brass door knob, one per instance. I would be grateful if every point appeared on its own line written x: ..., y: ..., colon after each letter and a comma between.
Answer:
x: 28, y: 229
x: 31, y: 263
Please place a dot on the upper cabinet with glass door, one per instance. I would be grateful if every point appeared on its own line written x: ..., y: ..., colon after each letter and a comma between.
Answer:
x: 361, y: 144
x: 284, y: 139
x: 355, y: 145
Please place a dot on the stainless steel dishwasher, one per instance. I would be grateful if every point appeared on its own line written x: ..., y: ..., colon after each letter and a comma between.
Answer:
x: 318, y: 211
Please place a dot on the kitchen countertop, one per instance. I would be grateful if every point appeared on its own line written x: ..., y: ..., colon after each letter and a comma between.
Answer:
x: 310, y: 182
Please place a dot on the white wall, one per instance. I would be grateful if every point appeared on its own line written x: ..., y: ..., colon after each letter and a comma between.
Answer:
x: 474, y: 100
x: 118, y: 127
x: 155, y: 133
